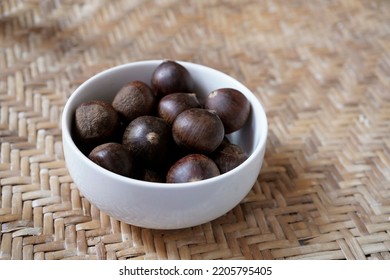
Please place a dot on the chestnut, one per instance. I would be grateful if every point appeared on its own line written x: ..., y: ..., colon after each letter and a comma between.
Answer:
x: 169, y: 77
x: 95, y: 122
x: 198, y: 130
x: 114, y: 157
x: 228, y: 156
x: 191, y: 168
x: 231, y: 106
x: 151, y: 175
x: 149, y: 139
x: 133, y: 100
x: 171, y: 105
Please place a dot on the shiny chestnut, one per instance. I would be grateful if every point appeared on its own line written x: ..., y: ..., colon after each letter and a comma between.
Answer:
x: 192, y: 168
x: 198, y: 130
x: 231, y: 106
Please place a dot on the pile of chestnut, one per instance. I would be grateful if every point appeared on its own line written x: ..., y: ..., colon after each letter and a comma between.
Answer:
x: 162, y: 132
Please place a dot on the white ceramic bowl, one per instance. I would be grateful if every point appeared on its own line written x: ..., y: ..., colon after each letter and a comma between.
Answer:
x: 162, y: 205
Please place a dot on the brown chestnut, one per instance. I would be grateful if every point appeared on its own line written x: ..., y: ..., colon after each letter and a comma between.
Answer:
x: 191, y: 168
x: 198, y: 130
x: 133, y: 100
x: 114, y: 157
x: 231, y: 106
x: 171, y: 105
x: 149, y: 139
x: 169, y: 77
x: 95, y: 122
x: 228, y: 156
x: 151, y: 175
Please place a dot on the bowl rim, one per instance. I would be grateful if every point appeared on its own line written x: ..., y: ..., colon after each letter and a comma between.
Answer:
x: 255, y: 104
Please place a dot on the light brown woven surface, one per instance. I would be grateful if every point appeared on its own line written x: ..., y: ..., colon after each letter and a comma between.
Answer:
x: 321, y: 69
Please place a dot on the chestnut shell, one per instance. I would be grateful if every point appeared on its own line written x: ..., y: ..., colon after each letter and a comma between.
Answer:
x: 192, y: 168
x: 198, y: 131
x: 169, y: 77
x: 150, y: 175
x: 95, y: 122
x: 171, y: 105
x: 231, y: 106
x: 114, y: 157
x: 228, y: 156
x: 149, y: 139
x: 133, y: 100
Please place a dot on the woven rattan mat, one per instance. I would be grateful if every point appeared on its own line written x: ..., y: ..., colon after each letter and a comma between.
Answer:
x: 321, y: 69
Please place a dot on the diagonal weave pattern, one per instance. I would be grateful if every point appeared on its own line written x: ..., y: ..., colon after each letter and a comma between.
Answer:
x: 320, y: 68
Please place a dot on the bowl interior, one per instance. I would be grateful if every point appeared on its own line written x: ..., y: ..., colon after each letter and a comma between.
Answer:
x: 105, y: 85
